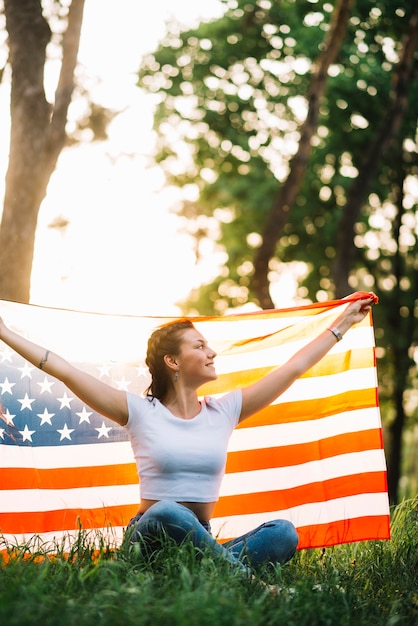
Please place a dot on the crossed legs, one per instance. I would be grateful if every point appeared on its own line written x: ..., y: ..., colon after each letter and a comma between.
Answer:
x: 272, y: 542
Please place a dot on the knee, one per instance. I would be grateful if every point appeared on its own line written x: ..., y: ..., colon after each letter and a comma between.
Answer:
x: 165, y: 511
x: 156, y: 522
x: 285, y: 537
x: 289, y: 532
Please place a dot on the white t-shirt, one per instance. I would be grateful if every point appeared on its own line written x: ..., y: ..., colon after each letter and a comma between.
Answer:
x: 181, y: 460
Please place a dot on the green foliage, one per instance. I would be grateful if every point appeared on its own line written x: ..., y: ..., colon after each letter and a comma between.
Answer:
x: 230, y: 106
x: 367, y: 583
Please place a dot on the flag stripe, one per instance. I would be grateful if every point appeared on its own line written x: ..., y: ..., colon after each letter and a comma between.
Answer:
x: 308, y: 514
x: 64, y: 456
x: 345, y: 531
x: 307, y: 431
x: 37, y: 522
x: 304, y: 474
x: 288, y: 455
x: 312, y: 409
x: 321, y: 491
x: 33, y: 478
x: 320, y: 387
x: 266, y: 360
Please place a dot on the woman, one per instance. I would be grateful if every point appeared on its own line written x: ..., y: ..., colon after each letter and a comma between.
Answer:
x: 180, y: 442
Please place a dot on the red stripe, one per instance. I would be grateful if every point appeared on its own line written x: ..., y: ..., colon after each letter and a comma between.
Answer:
x: 304, y: 410
x: 68, y: 519
x: 314, y: 308
x: 285, y: 456
x: 280, y: 500
x: 68, y: 478
x: 367, y: 528
x: 345, y: 531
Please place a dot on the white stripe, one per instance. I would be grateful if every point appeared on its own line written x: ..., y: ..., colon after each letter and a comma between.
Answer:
x: 280, y: 478
x: 291, y: 433
x: 326, y: 386
x: 254, y: 357
x: 235, y: 328
x: 49, y: 457
x: 63, y: 540
x: 351, y: 507
x: 33, y: 500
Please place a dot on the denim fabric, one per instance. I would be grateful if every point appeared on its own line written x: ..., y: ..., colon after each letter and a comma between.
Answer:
x: 272, y: 542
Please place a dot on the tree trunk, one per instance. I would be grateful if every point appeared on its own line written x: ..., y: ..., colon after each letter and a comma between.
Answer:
x: 279, y: 212
x: 37, y: 134
x: 345, y: 248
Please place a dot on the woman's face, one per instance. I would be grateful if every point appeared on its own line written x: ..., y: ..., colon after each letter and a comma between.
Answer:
x: 195, y: 359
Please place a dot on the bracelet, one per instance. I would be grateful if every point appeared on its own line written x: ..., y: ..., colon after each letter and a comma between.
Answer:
x: 44, y: 360
x: 337, y: 334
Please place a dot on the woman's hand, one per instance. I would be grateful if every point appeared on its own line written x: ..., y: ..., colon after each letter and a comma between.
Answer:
x: 357, y: 310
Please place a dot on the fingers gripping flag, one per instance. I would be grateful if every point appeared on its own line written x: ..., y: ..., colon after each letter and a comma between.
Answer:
x: 314, y: 457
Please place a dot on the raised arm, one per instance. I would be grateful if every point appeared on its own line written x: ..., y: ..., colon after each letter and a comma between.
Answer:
x: 265, y: 391
x: 97, y: 395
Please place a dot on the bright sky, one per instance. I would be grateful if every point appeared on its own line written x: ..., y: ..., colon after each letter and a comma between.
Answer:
x: 121, y: 251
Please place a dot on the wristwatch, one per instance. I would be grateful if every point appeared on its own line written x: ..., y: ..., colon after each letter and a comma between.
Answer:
x: 338, y: 336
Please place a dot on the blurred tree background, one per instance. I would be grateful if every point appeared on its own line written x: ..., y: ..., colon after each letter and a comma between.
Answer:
x: 291, y: 125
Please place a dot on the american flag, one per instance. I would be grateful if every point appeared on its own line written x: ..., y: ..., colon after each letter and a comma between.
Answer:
x: 315, y: 456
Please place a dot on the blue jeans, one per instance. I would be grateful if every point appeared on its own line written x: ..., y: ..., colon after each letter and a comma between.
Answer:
x: 272, y: 542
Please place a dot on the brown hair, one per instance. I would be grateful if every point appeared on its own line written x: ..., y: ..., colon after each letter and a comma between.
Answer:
x: 165, y: 340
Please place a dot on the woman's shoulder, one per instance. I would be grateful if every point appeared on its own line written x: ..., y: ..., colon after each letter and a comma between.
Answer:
x: 226, y: 398
x: 230, y: 404
x: 139, y: 405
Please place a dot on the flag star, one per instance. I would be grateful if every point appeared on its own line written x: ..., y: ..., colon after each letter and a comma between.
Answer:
x: 104, y: 370
x: 46, y: 385
x: 45, y: 417
x: 6, y: 387
x: 123, y: 384
x: 8, y: 417
x: 84, y: 415
x: 27, y: 434
x: 65, y: 432
x: 26, y: 370
x: 142, y: 371
x: 65, y: 401
x: 26, y: 402
x: 103, y: 431
x: 6, y: 355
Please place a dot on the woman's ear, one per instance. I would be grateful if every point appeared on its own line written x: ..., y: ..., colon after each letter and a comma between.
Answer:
x: 170, y: 361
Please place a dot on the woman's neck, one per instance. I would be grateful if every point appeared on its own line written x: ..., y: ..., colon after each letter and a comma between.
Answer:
x: 182, y: 404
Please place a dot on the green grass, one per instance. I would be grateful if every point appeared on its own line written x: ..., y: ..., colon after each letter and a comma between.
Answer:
x: 369, y: 583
